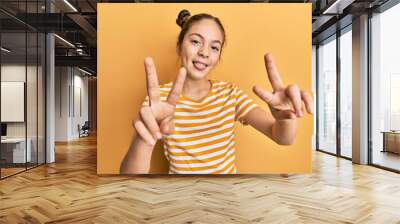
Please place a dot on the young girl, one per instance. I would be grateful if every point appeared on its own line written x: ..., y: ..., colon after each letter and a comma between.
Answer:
x: 195, y: 116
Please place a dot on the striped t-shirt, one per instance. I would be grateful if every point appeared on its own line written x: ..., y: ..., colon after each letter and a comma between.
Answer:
x: 203, y: 139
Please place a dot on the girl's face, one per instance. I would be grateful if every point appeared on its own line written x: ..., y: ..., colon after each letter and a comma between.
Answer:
x: 201, y: 48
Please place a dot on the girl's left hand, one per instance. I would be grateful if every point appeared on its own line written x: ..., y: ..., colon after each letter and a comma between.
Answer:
x: 285, y: 102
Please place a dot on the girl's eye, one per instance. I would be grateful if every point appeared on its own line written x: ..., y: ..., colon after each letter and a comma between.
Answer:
x: 195, y: 41
x: 215, y: 48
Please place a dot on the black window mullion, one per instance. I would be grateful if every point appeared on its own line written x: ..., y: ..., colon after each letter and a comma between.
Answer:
x: 37, y: 90
x: 338, y: 98
x: 369, y: 90
x: 317, y: 96
x: 26, y: 87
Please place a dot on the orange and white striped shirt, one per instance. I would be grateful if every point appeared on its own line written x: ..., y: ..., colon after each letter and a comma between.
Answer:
x: 203, y: 140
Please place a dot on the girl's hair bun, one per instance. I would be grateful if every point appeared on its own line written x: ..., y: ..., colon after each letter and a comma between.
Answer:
x: 183, y: 16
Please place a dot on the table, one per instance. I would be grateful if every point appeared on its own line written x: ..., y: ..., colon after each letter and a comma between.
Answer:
x: 13, y: 150
x: 391, y: 141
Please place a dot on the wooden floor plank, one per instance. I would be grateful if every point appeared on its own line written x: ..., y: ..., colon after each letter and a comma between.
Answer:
x: 70, y: 191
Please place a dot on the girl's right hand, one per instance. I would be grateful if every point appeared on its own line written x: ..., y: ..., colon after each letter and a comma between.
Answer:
x: 157, y: 118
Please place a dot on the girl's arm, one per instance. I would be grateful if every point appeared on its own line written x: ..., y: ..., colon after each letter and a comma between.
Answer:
x: 137, y: 159
x: 283, y: 132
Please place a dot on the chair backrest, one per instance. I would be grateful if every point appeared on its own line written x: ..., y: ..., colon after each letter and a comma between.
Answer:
x: 86, y: 125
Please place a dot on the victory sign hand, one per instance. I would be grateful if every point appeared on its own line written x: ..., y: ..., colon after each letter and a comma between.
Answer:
x: 285, y: 102
x: 157, y: 118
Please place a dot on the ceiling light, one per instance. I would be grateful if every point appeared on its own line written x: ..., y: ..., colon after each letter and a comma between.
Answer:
x: 337, y: 7
x: 84, y: 71
x: 70, y: 5
x: 64, y: 40
x: 5, y: 50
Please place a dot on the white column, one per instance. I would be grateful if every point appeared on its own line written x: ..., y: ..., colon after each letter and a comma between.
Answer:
x: 50, y: 110
x: 50, y: 92
x: 360, y: 90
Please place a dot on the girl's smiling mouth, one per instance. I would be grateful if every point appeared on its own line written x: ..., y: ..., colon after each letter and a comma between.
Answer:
x: 199, y: 65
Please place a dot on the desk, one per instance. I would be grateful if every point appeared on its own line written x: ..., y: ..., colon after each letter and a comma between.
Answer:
x: 391, y: 141
x: 13, y: 150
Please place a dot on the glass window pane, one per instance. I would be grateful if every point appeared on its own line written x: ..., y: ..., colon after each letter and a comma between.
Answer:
x: 327, y: 96
x: 22, y: 88
x: 31, y: 101
x: 346, y: 94
x: 385, y: 88
x: 14, y: 153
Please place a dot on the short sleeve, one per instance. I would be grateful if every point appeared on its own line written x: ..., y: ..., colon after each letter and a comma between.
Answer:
x: 244, y: 104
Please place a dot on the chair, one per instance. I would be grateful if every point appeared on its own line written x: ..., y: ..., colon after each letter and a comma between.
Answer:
x: 84, y: 130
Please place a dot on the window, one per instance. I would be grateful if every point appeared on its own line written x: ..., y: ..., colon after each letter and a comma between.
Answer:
x: 327, y: 95
x: 346, y: 75
x: 385, y: 88
x: 22, y: 65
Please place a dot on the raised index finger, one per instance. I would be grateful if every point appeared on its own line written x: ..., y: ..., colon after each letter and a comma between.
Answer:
x: 153, y: 88
x: 273, y: 74
x: 176, y: 90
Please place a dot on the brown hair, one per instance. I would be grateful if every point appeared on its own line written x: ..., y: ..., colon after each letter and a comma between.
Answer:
x: 185, y: 21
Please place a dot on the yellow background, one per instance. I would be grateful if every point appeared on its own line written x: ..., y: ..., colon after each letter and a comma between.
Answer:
x: 127, y: 33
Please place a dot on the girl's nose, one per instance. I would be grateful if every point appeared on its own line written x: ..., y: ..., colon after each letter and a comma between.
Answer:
x: 203, y: 52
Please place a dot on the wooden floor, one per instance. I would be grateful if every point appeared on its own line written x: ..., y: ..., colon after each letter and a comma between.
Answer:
x: 5, y: 172
x: 387, y: 159
x: 69, y: 191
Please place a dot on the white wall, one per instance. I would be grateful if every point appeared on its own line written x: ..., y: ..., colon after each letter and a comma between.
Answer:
x: 71, y: 93
x: 80, y: 83
x: 16, y: 73
x: 62, y: 78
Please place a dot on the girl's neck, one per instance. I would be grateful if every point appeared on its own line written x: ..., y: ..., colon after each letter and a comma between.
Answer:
x: 194, y: 87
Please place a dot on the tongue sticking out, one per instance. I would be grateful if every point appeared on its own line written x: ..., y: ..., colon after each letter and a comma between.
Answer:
x: 199, y: 66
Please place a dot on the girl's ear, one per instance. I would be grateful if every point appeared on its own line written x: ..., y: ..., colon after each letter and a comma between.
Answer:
x: 178, y: 50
